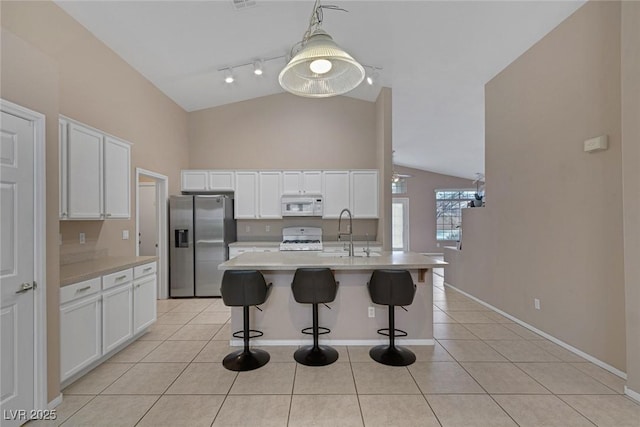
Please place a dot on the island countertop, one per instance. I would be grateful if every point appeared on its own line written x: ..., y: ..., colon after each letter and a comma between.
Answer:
x: 287, y: 261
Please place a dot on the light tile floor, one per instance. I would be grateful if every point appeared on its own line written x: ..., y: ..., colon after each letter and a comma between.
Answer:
x: 484, y: 371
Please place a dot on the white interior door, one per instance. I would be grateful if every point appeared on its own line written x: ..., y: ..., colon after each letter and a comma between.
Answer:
x: 148, y: 219
x: 16, y: 268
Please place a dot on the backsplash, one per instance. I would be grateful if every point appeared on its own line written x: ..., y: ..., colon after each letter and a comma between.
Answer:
x: 271, y: 231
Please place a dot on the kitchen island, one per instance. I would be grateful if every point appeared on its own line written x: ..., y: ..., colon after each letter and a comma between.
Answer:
x: 282, y: 317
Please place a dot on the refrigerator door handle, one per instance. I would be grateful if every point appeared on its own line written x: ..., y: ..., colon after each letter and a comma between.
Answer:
x: 209, y: 242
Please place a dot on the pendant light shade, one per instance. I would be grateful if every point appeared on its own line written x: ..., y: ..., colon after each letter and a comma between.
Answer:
x: 321, y: 69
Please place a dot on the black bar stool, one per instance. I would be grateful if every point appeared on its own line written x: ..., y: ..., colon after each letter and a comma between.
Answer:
x: 315, y: 286
x: 392, y: 287
x: 244, y: 288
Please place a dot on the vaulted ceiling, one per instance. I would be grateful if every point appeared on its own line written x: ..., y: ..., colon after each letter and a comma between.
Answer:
x: 435, y: 55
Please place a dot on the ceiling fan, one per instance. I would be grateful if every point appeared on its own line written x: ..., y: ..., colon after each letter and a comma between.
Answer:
x: 395, y: 176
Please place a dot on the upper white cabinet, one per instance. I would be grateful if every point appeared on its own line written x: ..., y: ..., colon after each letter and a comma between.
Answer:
x: 302, y: 182
x: 117, y: 184
x: 84, y: 173
x: 221, y: 181
x: 95, y: 174
x: 336, y: 193
x: 269, y: 191
x: 204, y: 180
x: 246, y: 195
x: 364, y: 193
x: 193, y: 180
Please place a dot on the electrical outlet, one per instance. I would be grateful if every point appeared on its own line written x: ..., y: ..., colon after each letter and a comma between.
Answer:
x: 60, y: 239
x: 247, y: 229
x: 536, y: 303
x: 125, y: 234
x: 82, y: 238
x: 267, y: 228
x: 372, y: 312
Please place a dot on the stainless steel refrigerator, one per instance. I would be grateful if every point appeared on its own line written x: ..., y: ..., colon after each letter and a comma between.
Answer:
x: 200, y: 230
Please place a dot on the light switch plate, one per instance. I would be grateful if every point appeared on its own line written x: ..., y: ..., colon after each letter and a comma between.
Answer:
x: 125, y: 234
x: 82, y: 238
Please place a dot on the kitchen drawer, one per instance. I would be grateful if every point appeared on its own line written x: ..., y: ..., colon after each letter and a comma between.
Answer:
x: 79, y: 290
x: 117, y: 278
x: 144, y: 270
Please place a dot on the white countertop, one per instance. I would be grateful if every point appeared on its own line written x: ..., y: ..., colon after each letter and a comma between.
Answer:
x: 284, y: 261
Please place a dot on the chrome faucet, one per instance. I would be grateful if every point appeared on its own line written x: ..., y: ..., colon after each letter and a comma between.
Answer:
x: 368, y: 249
x: 349, y: 233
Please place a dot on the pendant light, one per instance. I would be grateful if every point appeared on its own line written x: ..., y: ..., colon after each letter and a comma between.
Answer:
x: 320, y: 68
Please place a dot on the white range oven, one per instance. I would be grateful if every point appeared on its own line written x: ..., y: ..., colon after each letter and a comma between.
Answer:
x: 301, y: 239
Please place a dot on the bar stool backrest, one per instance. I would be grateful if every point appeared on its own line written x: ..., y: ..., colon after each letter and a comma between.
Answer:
x: 243, y: 287
x: 391, y: 287
x: 314, y: 286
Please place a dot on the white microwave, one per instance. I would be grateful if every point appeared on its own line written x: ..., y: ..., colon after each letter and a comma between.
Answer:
x: 302, y: 205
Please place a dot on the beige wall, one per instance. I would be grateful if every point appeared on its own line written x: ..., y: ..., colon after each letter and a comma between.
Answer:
x: 631, y: 183
x: 30, y: 78
x: 384, y: 154
x: 552, y: 228
x: 422, y: 206
x: 284, y: 131
x: 54, y: 65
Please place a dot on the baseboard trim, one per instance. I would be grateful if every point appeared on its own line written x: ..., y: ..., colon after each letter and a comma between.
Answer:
x: 239, y: 343
x: 55, y: 402
x: 551, y: 338
x: 632, y: 394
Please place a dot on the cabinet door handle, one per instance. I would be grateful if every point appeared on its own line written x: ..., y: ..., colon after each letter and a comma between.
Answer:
x: 83, y: 289
x: 64, y: 214
x: 108, y: 215
x: 124, y: 276
x: 137, y: 286
x: 147, y: 269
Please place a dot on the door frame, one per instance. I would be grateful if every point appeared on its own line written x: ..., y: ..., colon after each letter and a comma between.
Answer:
x: 162, y: 196
x: 40, y: 400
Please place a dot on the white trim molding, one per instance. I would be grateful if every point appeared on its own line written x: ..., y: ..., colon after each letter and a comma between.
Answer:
x: 162, y: 197
x: 555, y: 340
x: 55, y: 402
x: 371, y: 342
x: 632, y: 394
x: 40, y: 249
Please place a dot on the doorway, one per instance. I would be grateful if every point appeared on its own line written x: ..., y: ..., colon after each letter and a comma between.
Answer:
x: 400, y: 224
x: 22, y: 264
x: 152, y: 193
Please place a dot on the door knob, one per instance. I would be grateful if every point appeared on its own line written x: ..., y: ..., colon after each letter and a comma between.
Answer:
x: 24, y: 288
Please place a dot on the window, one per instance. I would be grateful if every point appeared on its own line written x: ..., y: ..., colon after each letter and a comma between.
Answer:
x: 400, y: 224
x: 399, y: 186
x: 449, y: 205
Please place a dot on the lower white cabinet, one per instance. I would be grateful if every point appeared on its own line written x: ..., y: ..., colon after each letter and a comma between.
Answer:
x: 80, y: 333
x: 117, y: 311
x: 100, y: 315
x: 144, y: 302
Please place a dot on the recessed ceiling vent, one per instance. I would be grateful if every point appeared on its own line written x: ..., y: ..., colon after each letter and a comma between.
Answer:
x: 243, y: 4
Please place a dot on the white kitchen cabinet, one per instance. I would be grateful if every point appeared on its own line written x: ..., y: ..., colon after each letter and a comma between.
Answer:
x: 302, y: 182
x: 364, y: 193
x: 336, y: 192
x: 117, y: 313
x: 221, y: 181
x: 117, y: 183
x: 145, y: 286
x: 194, y: 180
x: 80, y: 334
x: 205, y: 180
x: 95, y: 173
x: 84, y: 173
x: 62, y: 168
x: 246, y: 195
x: 269, y: 191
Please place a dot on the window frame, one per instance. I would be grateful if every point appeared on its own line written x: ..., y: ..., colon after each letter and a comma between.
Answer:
x: 462, y: 202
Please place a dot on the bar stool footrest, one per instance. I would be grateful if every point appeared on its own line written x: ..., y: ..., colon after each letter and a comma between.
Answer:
x: 399, y: 333
x: 240, y: 334
x: 321, y: 330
